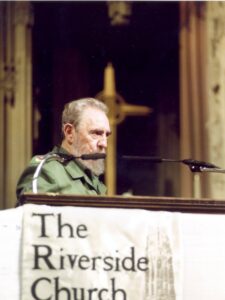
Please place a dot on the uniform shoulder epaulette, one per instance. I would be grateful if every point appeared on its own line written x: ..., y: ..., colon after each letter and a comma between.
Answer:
x: 38, y: 158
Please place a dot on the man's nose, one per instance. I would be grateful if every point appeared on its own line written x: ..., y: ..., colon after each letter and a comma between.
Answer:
x: 103, y: 142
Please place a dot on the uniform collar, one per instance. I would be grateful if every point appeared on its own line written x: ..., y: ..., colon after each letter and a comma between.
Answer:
x: 78, y: 171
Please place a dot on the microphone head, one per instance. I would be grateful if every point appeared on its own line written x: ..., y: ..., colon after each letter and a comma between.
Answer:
x: 66, y: 157
x: 93, y: 156
x: 197, y: 163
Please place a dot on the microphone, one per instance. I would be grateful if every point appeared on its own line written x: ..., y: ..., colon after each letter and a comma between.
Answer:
x: 94, y: 156
x: 195, y: 165
x: 61, y: 157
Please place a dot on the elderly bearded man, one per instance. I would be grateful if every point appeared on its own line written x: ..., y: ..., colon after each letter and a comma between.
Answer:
x: 85, y: 128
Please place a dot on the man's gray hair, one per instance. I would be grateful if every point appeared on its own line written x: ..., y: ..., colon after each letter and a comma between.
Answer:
x: 72, y: 112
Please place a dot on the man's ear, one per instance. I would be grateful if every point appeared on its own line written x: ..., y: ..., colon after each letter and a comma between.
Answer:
x: 69, y: 132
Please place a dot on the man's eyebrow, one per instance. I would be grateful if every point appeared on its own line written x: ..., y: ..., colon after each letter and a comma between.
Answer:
x: 97, y: 130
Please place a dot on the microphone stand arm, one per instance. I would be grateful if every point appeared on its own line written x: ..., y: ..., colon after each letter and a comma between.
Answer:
x: 39, y: 167
x: 194, y: 165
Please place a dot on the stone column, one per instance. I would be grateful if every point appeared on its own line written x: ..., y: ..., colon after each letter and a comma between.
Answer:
x: 202, y: 78
x: 2, y: 119
x: 193, y: 103
x: 16, y: 95
x: 216, y: 93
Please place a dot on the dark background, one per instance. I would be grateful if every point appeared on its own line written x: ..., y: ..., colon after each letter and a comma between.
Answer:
x: 72, y: 44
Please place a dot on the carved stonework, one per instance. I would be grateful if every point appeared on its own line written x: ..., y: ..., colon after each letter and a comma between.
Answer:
x: 216, y: 93
x: 15, y: 95
x: 24, y: 13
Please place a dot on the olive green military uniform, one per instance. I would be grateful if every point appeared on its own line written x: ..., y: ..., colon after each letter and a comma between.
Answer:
x: 67, y: 177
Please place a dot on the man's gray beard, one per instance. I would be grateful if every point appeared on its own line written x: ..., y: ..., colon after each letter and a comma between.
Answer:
x: 96, y: 166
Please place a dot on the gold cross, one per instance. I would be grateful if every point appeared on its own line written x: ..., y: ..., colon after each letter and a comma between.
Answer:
x: 118, y: 110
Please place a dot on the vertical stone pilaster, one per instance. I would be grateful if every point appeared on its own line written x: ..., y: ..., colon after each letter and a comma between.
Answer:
x: 17, y: 95
x: 216, y: 93
x: 203, y: 92
x: 193, y: 104
x: 2, y: 118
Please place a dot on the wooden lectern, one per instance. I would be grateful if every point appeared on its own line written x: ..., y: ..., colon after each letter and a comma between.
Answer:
x: 171, y: 204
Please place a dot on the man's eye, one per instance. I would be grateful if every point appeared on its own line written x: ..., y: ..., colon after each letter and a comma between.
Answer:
x: 96, y: 133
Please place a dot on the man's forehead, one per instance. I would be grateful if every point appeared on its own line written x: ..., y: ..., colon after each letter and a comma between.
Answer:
x: 93, y: 113
x: 93, y: 116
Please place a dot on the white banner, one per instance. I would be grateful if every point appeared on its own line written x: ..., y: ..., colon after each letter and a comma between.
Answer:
x: 72, y: 253
x: 10, y: 253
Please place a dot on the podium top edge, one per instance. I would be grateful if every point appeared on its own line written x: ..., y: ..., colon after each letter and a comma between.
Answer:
x: 172, y: 204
